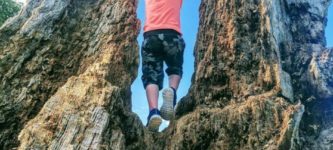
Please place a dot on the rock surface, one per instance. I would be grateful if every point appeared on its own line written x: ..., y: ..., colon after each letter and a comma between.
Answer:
x: 263, y: 78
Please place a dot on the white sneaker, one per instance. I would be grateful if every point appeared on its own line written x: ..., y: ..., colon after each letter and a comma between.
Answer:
x: 169, y: 102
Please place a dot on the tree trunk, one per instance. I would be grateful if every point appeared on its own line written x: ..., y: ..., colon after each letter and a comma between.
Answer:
x: 263, y: 78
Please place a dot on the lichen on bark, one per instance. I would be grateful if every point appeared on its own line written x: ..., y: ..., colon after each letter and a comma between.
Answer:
x: 8, y: 9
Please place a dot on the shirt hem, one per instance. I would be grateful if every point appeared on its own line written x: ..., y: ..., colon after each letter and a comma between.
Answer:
x: 163, y: 27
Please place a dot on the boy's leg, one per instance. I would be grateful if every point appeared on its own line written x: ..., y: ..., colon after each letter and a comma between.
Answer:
x: 152, y: 68
x: 152, y: 96
x: 174, y: 81
x: 152, y: 78
x: 174, y: 49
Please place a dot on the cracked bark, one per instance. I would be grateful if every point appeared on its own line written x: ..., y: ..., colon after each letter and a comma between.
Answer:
x: 263, y: 78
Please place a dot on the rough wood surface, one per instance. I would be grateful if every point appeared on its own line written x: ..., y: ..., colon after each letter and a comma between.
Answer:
x: 263, y: 78
x: 63, y: 64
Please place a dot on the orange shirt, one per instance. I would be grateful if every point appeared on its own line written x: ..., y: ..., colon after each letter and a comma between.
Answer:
x: 162, y: 14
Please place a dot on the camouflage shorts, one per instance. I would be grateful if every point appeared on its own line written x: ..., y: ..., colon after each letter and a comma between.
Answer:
x: 159, y: 47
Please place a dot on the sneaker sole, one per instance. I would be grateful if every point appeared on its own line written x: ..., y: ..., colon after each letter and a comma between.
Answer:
x: 167, y: 109
x: 154, y: 123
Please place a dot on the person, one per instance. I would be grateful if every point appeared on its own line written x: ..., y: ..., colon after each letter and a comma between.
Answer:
x: 163, y: 42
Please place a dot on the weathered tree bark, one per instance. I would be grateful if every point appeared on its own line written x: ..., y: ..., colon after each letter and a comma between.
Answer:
x: 263, y: 78
x: 78, y: 57
x: 259, y: 66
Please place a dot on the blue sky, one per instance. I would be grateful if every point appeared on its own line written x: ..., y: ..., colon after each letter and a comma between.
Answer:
x: 329, y: 27
x: 190, y: 21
